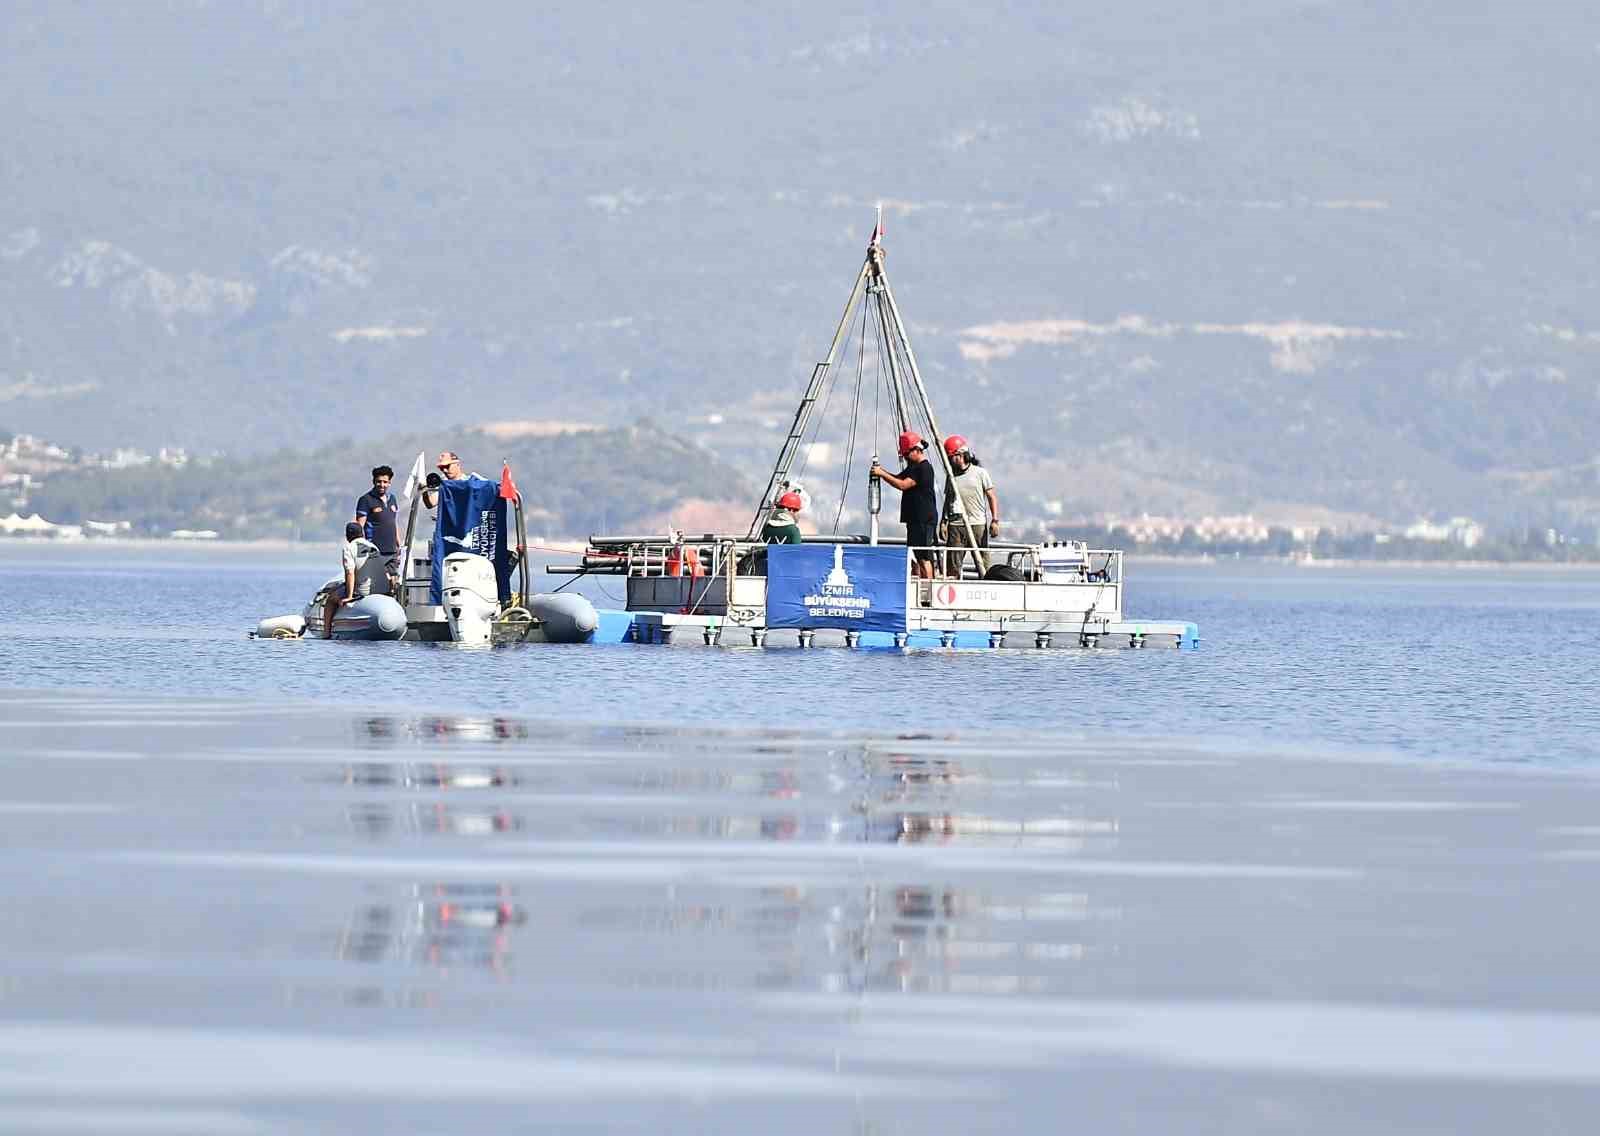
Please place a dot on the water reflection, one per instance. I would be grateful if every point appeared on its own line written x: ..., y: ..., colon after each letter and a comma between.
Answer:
x: 441, y: 926
x: 934, y: 903
x: 922, y: 938
x: 1062, y: 834
x: 426, y: 775
x: 380, y: 820
x: 910, y: 771
x: 435, y: 728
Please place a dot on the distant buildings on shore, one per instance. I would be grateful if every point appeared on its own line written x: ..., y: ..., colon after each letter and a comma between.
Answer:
x: 1464, y: 531
x: 36, y: 526
x: 1245, y: 529
x: 26, y: 461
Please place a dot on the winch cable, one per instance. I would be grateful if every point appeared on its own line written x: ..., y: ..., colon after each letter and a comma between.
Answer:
x: 1094, y: 604
x: 819, y: 417
x: 877, y: 408
x: 902, y: 417
x: 917, y: 415
x: 913, y: 414
x: 855, y: 418
x: 885, y: 388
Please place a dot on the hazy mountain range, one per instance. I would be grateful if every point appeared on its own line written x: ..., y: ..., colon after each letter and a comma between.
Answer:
x: 1319, y: 258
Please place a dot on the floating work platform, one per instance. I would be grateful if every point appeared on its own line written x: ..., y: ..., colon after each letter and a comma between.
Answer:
x: 771, y: 585
x: 729, y: 592
x: 666, y: 628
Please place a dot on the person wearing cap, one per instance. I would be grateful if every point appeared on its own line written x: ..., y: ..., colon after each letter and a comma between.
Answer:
x: 449, y: 467
x: 364, y: 575
x: 969, y: 500
x: 783, y: 525
x: 919, y: 508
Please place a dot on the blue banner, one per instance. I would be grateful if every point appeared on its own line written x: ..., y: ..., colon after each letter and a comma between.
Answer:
x: 472, y: 518
x: 854, y: 587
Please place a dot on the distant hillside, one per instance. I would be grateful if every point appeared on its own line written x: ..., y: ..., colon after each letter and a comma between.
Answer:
x: 573, y: 484
x: 1297, y: 257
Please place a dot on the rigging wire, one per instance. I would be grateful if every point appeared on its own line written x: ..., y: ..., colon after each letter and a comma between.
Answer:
x: 886, y: 345
x: 877, y: 410
x: 821, y: 415
x: 916, y: 417
x: 900, y: 365
x: 855, y: 417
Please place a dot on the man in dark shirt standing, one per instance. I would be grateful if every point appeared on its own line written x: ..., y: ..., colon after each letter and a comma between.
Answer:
x: 919, y: 510
x: 378, y: 514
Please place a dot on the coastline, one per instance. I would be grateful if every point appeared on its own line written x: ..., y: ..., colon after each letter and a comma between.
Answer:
x: 1163, y: 558
x: 241, y: 547
x: 566, y: 547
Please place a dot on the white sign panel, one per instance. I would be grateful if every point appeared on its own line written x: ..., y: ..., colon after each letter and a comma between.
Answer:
x: 985, y: 596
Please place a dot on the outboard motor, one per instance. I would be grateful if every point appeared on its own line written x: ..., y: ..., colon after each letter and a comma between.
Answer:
x: 471, y: 597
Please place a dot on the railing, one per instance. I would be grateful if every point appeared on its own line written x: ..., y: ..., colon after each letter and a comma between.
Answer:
x: 1051, y: 563
x: 712, y: 556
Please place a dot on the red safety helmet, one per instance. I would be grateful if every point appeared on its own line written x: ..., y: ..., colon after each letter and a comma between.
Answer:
x: 910, y: 440
x: 791, y: 501
x: 954, y: 444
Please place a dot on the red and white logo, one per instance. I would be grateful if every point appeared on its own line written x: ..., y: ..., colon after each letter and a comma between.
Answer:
x: 945, y: 594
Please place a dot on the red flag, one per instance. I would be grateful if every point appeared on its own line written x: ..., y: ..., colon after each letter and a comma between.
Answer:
x: 508, y: 488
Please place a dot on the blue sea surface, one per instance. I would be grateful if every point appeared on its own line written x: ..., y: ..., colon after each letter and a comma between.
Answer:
x: 1479, y: 663
x: 1329, y: 873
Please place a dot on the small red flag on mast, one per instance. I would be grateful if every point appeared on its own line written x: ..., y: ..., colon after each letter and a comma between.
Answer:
x: 508, y: 488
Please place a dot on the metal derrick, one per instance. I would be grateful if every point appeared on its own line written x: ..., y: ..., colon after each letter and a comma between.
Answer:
x: 897, y: 359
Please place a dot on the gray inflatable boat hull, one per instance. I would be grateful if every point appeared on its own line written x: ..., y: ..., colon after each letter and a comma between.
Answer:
x: 566, y: 617
x: 369, y: 618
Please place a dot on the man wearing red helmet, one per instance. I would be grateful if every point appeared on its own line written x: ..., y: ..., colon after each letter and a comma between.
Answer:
x: 783, y: 526
x: 919, y: 509
x: 969, y: 499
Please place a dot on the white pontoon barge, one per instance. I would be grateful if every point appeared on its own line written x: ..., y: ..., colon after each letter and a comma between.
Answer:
x: 715, y: 588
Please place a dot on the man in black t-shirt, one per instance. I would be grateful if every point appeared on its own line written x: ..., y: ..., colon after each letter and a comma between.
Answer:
x: 377, y: 513
x: 919, y: 510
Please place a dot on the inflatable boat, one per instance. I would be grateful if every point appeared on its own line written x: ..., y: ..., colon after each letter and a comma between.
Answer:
x: 466, y: 581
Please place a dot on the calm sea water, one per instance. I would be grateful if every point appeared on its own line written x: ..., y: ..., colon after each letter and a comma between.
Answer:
x: 1466, y: 663
x: 1329, y: 873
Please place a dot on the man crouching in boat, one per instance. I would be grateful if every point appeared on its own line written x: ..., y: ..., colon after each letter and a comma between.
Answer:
x: 364, y: 574
x: 783, y: 525
x: 919, y: 510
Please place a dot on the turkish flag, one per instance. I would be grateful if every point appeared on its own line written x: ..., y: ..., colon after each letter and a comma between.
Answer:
x: 508, y: 488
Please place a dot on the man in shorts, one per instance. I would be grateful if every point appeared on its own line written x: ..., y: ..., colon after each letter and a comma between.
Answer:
x: 919, y: 507
x: 364, y: 575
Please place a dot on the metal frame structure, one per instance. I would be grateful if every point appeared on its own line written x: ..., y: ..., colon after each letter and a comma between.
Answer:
x: 710, y: 582
x: 871, y: 286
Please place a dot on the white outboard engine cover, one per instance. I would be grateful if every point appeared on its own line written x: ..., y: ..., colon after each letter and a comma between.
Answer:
x: 1064, y: 562
x: 471, y: 597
